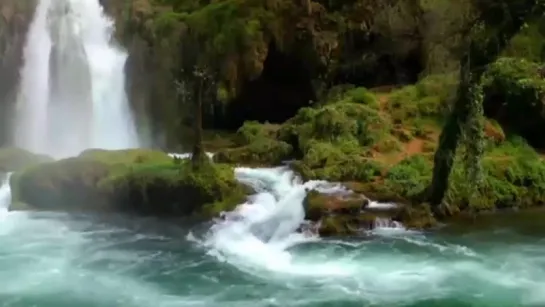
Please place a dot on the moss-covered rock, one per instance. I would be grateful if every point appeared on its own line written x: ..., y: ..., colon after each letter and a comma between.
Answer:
x: 257, y: 146
x: 136, y: 181
x: 327, y: 162
x: 338, y: 215
x: 14, y: 159
x: 69, y: 184
x: 319, y: 205
x: 260, y: 152
x: 335, y: 123
x: 514, y: 177
x: 409, y: 178
x: 417, y: 216
x: 336, y: 141
x: 429, y: 98
x: 126, y: 156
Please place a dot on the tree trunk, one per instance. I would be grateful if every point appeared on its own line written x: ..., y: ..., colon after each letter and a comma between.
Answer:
x: 198, y: 155
x: 450, y: 135
x: 472, y: 67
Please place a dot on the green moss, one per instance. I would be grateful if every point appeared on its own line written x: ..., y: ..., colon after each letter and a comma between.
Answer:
x: 69, y: 183
x: 332, y: 139
x: 417, y: 216
x: 257, y: 145
x: 252, y: 131
x: 363, y: 96
x: 336, y: 163
x: 175, y: 188
x: 336, y: 123
x: 261, y: 151
x: 430, y: 97
x: 137, y: 181
x: 126, y: 156
x: 339, y: 226
x: 514, y: 176
x: 516, y: 83
x: 16, y: 159
x: 318, y: 205
x: 528, y: 43
x: 410, y: 177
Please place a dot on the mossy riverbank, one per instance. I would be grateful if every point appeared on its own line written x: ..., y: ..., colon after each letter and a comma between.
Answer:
x: 136, y: 181
x: 380, y: 144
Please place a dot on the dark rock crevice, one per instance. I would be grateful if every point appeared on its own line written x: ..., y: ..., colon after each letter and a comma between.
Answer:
x: 284, y: 86
x: 15, y: 19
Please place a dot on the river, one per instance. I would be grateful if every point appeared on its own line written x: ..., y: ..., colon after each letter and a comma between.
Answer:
x: 55, y: 259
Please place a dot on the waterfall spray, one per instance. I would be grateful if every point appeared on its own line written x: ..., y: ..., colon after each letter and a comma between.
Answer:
x: 72, y: 92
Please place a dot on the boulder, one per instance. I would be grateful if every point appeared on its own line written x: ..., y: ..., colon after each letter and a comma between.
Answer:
x: 135, y: 181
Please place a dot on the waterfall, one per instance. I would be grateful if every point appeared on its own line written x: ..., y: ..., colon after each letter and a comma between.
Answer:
x: 5, y: 193
x: 72, y: 92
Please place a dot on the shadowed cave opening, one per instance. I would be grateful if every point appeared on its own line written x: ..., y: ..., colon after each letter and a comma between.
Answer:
x: 283, y: 87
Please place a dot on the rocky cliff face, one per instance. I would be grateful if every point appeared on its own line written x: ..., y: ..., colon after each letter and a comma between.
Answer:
x: 269, y: 58
x: 268, y: 55
x: 15, y: 17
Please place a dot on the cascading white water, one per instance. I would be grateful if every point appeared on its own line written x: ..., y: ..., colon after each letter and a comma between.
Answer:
x: 72, y: 92
x: 260, y: 232
x: 5, y: 194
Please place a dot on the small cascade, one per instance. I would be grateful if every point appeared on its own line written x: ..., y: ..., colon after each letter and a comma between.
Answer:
x: 260, y: 231
x: 210, y: 155
x: 382, y: 223
x: 374, y: 205
x: 5, y: 193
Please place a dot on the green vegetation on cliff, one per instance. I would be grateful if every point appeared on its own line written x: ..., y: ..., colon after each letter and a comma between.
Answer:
x: 255, y: 144
x: 382, y: 146
x: 362, y: 92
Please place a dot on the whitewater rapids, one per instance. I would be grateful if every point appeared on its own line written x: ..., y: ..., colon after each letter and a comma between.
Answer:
x: 254, y: 257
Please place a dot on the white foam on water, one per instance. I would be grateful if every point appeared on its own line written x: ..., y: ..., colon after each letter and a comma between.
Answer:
x: 260, y: 232
x: 189, y: 155
x: 259, y: 237
x: 381, y: 206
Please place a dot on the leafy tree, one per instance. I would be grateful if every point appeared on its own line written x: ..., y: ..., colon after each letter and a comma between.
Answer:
x: 494, y: 23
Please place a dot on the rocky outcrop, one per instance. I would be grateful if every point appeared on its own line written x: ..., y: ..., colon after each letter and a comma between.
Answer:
x: 267, y: 57
x: 15, y: 18
x: 134, y: 181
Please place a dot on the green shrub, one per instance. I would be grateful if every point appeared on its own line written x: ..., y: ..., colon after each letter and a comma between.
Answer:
x: 410, y: 177
x: 363, y: 96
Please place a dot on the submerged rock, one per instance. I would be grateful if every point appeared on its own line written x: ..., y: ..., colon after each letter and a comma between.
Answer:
x: 136, y: 181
